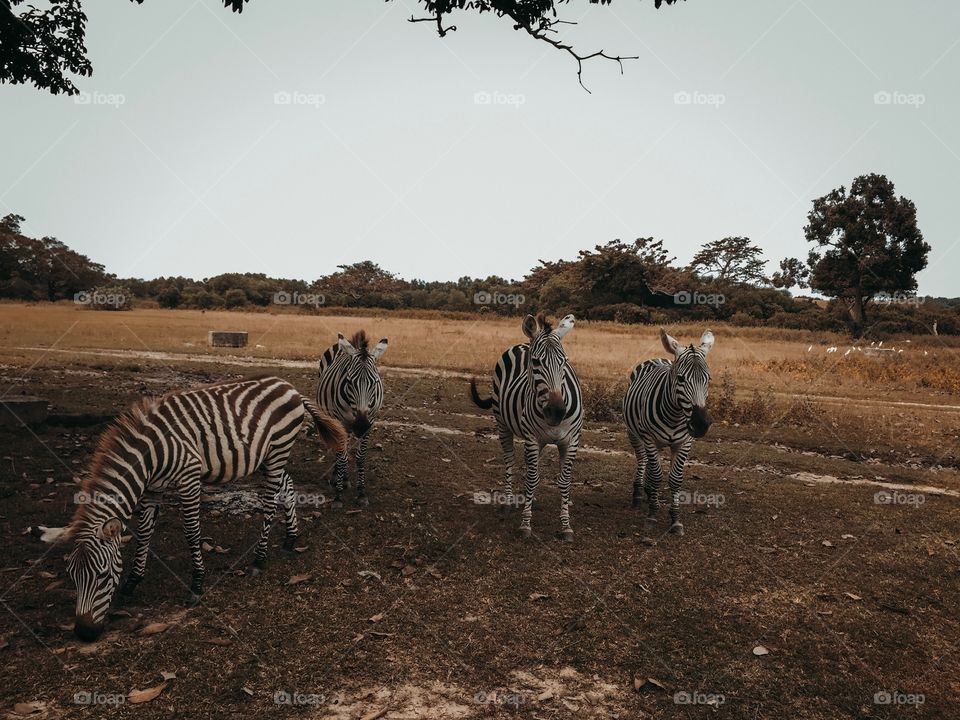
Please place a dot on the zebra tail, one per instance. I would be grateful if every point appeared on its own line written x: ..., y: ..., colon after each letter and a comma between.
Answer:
x: 480, y: 402
x: 332, y: 433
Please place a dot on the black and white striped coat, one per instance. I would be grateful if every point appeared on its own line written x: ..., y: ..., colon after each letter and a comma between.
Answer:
x: 536, y: 397
x: 665, y: 407
x: 177, y: 443
x: 349, y: 387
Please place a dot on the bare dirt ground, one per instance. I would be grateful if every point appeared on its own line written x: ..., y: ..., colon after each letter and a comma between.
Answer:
x: 836, y: 554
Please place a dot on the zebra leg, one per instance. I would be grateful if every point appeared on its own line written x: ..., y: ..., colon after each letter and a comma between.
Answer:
x: 190, y: 508
x: 654, y: 474
x: 675, y: 481
x: 146, y: 523
x: 341, y: 474
x: 531, y: 453
x: 361, y: 456
x: 271, y: 495
x: 509, y: 458
x: 567, y: 455
x: 639, y: 451
x: 288, y: 503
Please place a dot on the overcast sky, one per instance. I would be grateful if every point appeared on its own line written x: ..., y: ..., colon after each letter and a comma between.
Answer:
x: 302, y: 135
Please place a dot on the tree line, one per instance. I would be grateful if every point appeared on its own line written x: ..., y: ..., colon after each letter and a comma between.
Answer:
x: 865, y: 252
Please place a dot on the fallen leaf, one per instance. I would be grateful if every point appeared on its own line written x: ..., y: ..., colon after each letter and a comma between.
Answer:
x: 408, y: 570
x: 545, y: 695
x: 367, y: 574
x: 301, y: 549
x: 648, y: 684
x: 135, y: 697
x: 377, y: 618
x: 248, y: 691
x: 47, y: 575
x: 221, y: 642
x: 154, y: 628
x: 29, y: 708
x: 220, y: 550
x: 168, y: 675
x: 848, y: 536
x: 853, y: 596
x: 827, y: 543
x: 297, y: 579
x: 760, y: 650
x: 53, y: 586
x: 538, y: 596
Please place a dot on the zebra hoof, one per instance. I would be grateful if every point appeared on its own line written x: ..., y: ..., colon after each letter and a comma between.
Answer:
x: 566, y: 535
x: 676, y: 528
x: 289, y: 542
x: 637, y: 502
x: 337, y: 504
x: 363, y: 500
x: 525, y: 532
x: 193, y: 599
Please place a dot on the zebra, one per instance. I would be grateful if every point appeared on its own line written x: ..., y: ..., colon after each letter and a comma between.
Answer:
x: 350, y: 389
x: 178, y: 442
x: 536, y: 396
x: 665, y: 406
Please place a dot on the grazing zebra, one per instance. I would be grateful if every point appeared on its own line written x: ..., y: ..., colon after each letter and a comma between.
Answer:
x: 536, y: 396
x: 665, y: 406
x: 178, y: 442
x: 350, y: 389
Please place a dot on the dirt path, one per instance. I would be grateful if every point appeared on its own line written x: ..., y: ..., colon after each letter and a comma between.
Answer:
x: 430, y: 372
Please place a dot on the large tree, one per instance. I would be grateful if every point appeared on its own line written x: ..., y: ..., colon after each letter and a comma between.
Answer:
x: 866, y: 241
x: 731, y: 260
x: 41, y: 46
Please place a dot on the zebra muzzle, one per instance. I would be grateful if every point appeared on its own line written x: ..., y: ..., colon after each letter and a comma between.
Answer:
x: 700, y: 421
x: 86, y: 629
x: 555, y: 409
x: 361, y: 425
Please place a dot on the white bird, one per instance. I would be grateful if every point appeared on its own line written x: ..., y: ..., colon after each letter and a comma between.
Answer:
x: 881, y: 344
x: 924, y: 352
x: 810, y: 348
x: 831, y: 349
x: 873, y: 343
x: 847, y: 352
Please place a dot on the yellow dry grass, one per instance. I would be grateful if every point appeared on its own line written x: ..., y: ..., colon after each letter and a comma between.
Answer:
x: 775, y: 360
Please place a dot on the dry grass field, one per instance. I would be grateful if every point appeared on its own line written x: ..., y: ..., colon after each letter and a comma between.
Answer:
x: 822, y: 526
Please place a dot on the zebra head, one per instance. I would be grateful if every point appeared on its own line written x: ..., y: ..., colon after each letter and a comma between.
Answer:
x: 362, y: 388
x: 94, y: 566
x: 547, y: 367
x: 691, y: 379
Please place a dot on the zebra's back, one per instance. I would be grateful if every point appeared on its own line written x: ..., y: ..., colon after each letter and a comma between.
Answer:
x: 647, y: 410
x: 231, y: 427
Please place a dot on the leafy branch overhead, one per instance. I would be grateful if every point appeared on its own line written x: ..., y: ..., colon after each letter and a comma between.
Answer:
x: 45, y: 47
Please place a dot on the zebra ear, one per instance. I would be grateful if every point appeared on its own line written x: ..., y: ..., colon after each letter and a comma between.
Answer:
x: 379, y: 350
x: 565, y: 326
x: 530, y: 326
x: 669, y: 344
x: 706, y: 341
x: 345, y: 345
x: 111, y: 529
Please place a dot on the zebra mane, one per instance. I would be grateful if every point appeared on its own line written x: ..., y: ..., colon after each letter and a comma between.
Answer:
x: 105, y: 453
x: 361, y: 343
x: 545, y: 325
